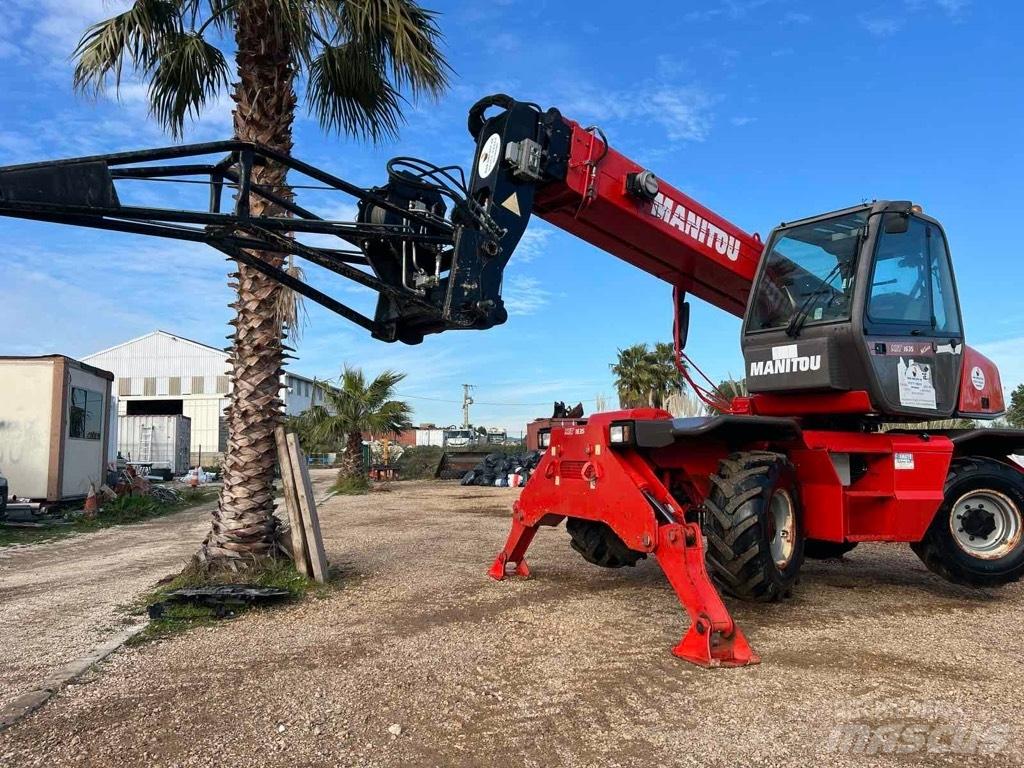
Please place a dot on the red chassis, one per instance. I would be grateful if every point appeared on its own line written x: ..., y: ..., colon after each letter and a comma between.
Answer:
x: 653, y: 498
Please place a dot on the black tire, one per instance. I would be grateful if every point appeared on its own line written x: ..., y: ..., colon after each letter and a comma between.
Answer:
x: 600, y: 545
x: 740, y: 529
x: 816, y: 549
x: 939, y: 549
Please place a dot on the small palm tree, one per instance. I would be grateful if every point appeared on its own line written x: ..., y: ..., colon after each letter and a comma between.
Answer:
x: 354, y: 408
x: 729, y: 389
x: 646, y: 377
x: 669, y: 380
x: 354, y: 58
x: 634, y: 376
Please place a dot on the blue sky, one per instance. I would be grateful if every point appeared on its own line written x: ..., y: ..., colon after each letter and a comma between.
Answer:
x: 764, y: 110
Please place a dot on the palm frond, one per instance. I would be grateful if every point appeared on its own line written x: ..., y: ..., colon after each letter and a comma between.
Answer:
x: 348, y: 92
x: 289, y: 308
x: 407, y: 36
x: 134, y: 37
x: 187, y: 72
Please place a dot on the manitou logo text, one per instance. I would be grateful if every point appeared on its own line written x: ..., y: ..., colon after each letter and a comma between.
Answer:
x: 697, y: 227
x: 785, y: 360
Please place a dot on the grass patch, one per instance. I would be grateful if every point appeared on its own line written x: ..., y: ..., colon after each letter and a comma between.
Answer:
x: 351, y: 486
x: 123, y: 510
x: 268, y: 572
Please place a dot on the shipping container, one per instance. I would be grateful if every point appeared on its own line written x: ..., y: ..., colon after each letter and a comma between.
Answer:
x: 160, y: 442
x: 54, y: 427
x: 430, y: 437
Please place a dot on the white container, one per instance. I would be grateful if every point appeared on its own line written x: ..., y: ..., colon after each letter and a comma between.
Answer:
x: 430, y: 437
x: 160, y: 441
x: 54, y: 426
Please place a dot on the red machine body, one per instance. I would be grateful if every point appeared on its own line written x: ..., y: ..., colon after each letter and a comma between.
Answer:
x: 853, y: 484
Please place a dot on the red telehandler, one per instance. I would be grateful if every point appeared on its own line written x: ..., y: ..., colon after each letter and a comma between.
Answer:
x: 851, y: 323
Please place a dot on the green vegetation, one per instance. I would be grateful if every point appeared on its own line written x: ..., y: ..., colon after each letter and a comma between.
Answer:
x: 1015, y: 413
x: 354, y: 485
x: 352, y: 408
x: 279, y: 573
x: 419, y: 462
x: 123, y: 510
x: 646, y: 377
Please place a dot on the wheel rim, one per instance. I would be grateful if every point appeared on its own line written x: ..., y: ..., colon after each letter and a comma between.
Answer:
x: 986, y: 524
x: 782, y: 532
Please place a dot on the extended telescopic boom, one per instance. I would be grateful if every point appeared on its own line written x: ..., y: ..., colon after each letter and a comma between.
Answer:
x: 432, y: 246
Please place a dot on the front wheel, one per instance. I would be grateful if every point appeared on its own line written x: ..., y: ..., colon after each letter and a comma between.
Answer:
x: 754, y: 526
x: 977, y: 536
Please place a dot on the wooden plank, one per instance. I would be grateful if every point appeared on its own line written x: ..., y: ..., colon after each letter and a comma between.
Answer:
x: 310, y: 519
x: 291, y: 502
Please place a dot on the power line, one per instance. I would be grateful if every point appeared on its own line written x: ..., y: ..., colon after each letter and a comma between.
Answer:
x: 481, y: 402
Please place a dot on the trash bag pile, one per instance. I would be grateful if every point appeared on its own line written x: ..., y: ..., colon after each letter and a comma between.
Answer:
x: 503, y: 470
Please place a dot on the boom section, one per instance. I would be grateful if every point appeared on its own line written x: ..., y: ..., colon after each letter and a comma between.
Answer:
x: 610, y: 201
x: 589, y: 189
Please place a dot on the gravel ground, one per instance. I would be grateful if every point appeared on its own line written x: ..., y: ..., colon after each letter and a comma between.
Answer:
x: 416, y: 658
x: 60, y: 599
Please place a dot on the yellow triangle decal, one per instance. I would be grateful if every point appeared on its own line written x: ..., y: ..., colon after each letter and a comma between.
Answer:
x: 512, y: 204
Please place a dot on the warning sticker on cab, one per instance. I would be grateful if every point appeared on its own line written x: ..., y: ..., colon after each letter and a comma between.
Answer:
x: 903, y: 460
x: 917, y: 390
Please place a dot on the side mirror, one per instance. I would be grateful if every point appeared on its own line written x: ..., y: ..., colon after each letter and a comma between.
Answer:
x: 682, y: 320
x: 897, y: 223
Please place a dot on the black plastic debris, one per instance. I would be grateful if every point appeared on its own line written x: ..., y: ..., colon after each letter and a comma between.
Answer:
x: 502, y: 470
x: 221, y: 600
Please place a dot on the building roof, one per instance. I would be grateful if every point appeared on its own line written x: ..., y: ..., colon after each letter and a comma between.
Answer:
x: 103, y: 374
x: 151, y: 334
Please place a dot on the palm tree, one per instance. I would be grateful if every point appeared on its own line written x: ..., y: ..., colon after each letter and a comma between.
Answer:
x: 354, y: 408
x: 355, y: 57
x: 669, y: 380
x: 634, y: 376
x: 729, y: 389
x: 646, y: 377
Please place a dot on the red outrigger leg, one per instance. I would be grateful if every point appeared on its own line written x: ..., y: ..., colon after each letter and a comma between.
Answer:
x: 514, y: 553
x: 713, y: 639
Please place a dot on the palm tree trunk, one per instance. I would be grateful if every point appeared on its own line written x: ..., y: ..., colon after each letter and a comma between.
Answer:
x: 352, y: 461
x: 244, y: 525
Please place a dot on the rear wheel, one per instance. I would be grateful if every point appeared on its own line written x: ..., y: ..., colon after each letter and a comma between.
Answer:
x: 754, y: 526
x: 600, y: 545
x: 977, y: 536
x: 816, y: 549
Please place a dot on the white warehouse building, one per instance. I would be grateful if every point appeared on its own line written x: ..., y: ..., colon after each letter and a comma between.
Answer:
x: 164, y: 374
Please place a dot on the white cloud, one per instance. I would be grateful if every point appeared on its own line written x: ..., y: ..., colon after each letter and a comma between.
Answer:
x: 881, y: 26
x: 682, y: 111
x: 742, y: 120
x: 1008, y: 355
x: 534, y: 243
x: 524, y: 295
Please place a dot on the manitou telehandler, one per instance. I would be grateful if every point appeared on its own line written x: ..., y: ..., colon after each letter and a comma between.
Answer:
x: 850, y: 323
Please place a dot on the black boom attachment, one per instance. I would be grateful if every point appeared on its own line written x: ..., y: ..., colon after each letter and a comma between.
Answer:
x: 432, y: 246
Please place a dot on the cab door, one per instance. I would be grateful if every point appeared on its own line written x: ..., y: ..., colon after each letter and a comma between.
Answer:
x: 912, y: 324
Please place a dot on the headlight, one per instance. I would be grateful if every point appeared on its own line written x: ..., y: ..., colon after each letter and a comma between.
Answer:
x: 621, y: 433
x: 544, y: 438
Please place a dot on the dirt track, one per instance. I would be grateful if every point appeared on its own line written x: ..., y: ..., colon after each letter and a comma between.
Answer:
x: 569, y: 668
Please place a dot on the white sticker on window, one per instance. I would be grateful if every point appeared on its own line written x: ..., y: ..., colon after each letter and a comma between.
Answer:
x: 903, y: 460
x: 917, y: 390
x: 978, y: 378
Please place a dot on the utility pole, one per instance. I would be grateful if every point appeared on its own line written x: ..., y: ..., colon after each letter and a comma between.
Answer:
x: 467, y: 400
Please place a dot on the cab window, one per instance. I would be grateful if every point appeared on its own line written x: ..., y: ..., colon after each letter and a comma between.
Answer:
x: 912, y: 282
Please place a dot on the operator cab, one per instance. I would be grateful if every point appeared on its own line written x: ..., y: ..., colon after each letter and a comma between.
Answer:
x: 864, y: 300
